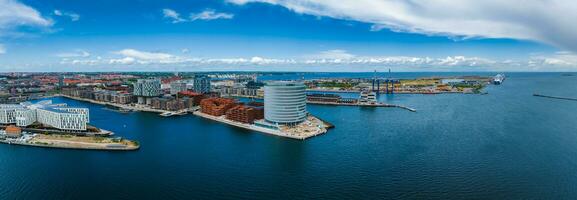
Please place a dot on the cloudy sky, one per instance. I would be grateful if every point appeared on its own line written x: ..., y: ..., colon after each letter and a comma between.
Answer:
x: 288, y: 35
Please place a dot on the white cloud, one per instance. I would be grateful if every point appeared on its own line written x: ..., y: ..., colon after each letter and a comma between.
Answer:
x: 76, y: 53
x: 332, y: 54
x: 14, y: 14
x: 173, y: 15
x: 73, y: 16
x: 560, y: 61
x: 206, y: 15
x: 143, y: 55
x: 545, y: 21
x: 2, y: 49
x: 331, y: 60
x: 133, y: 56
x: 210, y: 15
x: 123, y: 61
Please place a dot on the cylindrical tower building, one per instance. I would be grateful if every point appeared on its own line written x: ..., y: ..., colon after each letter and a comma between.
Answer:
x: 285, y: 102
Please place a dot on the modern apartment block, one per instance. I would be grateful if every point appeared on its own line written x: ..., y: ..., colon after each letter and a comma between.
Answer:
x: 245, y: 113
x: 285, y: 102
x: 8, y: 113
x: 202, y: 84
x: 216, y: 106
x: 177, y: 86
x: 144, y: 89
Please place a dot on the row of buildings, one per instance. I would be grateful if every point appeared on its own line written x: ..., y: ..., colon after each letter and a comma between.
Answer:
x: 145, y: 90
x: 57, y: 116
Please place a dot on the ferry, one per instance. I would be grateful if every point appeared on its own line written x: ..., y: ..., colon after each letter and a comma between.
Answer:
x: 498, y: 79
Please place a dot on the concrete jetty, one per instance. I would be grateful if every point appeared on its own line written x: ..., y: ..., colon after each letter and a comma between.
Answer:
x: 362, y: 105
x: 555, y: 97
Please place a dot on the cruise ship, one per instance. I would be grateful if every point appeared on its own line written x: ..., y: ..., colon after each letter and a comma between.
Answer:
x: 498, y: 79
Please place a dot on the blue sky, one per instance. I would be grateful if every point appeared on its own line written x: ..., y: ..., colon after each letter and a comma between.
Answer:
x: 285, y: 35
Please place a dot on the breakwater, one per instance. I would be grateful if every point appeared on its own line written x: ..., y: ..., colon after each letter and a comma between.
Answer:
x: 363, y: 105
x: 555, y: 97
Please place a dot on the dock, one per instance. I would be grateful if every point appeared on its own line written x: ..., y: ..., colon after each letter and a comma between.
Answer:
x: 555, y: 97
x: 173, y: 113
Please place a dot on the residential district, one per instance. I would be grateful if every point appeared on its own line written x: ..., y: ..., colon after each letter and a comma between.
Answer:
x: 237, y: 99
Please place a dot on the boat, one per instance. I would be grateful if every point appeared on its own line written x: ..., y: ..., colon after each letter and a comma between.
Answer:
x: 498, y: 79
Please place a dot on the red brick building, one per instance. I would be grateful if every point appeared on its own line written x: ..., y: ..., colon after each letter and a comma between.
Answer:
x: 196, y: 97
x: 244, y: 114
x: 216, y: 106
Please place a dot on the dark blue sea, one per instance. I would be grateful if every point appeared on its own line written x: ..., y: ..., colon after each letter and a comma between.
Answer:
x: 506, y: 144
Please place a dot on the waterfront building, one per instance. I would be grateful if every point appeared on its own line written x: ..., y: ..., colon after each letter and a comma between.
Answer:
x: 8, y: 113
x: 177, y: 86
x: 326, y: 98
x: 58, y: 116
x: 238, y: 90
x: 25, y: 117
x: 285, y: 102
x: 63, y: 118
x: 122, y: 98
x: 194, y: 97
x: 216, y: 106
x: 202, y: 84
x: 13, y: 131
x: 245, y: 113
x: 145, y: 89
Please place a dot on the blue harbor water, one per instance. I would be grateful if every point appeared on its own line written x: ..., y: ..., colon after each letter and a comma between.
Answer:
x: 506, y: 145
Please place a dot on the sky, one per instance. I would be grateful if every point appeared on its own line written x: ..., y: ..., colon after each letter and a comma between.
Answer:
x: 288, y: 35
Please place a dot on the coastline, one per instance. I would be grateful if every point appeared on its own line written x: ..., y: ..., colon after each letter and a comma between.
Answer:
x: 299, y: 136
x: 123, y: 106
x: 69, y: 144
x: 252, y: 127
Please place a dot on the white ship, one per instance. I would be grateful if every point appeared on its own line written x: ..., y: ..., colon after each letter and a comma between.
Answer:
x: 498, y: 79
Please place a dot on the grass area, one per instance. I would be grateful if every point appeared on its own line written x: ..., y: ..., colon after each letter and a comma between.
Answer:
x: 334, y: 84
x: 420, y: 82
x: 85, y: 139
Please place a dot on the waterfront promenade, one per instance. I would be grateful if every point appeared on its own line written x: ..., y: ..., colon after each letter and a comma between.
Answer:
x: 316, y: 127
x: 123, y: 106
x: 74, y: 142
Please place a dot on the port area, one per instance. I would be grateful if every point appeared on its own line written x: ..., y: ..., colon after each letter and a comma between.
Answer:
x: 70, y: 142
x: 362, y: 105
x: 311, y: 127
x: 424, y: 85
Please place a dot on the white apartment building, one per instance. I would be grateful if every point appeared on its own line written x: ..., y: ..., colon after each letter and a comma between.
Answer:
x: 58, y: 116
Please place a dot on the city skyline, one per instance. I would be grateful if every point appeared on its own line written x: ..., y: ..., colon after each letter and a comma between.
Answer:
x: 278, y: 35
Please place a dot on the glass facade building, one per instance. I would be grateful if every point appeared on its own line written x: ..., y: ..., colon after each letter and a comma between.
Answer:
x: 285, y: 102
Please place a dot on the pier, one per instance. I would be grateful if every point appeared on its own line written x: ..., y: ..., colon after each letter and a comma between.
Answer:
x: 362, y: 105
x: 555, y: 97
